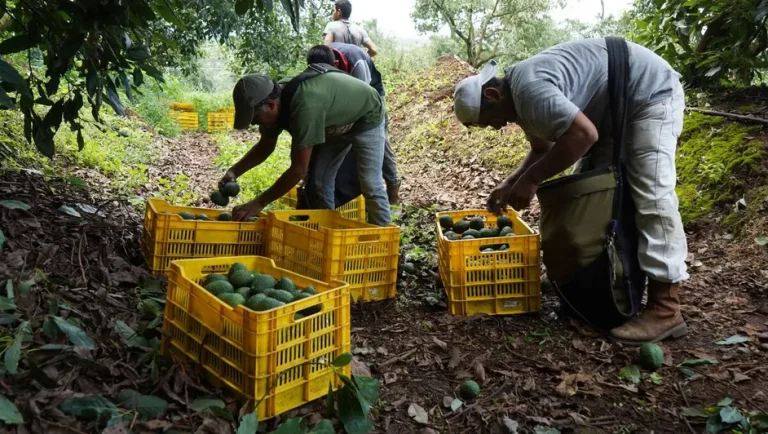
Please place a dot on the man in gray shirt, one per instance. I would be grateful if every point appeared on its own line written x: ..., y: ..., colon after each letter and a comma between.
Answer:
x: 344, y: 31
x: 560, y: 99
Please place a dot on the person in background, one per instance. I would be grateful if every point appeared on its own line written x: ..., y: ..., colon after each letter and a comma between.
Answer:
x: 344, y: 31
x: 356, y: 62
x: 328, y: 114
x: 560, y: 99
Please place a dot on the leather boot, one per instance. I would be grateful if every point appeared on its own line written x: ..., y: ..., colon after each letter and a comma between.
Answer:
x: 393, y: 193
x: 659, y: 320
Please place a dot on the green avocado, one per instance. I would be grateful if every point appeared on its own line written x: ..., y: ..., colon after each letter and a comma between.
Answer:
x: 263, y: 282
x: 219, y: 199
x: 489, y: 233
x: 451, y: 236
x: 214, y: 277
x: 651, y: 356
x: 267, y: 303
x: 446, y: 222
x: 220, y: 287
x: 230, y: 189
x: 279, y: 294
x: 467, y: 237
x: 237, y: 266
x: 232, y: 299
x: 241, y: 278
x: 286, y: 284
x: 187, y: 215
x: 225, y: 217
x: 504, y: 222
x: 461, y: 227
x: 244, y: 291
x: 310, y: 290
x: 473, y: 233
x: 477, y: 223
x: 202, y: 217
x: 506, y: 231
x: 469, y: 390
x: 253, y: 300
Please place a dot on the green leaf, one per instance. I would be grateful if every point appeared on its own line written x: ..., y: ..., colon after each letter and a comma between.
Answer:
x: 89, y: 407
x: 53, y: 347
x: 456, y: 404
x: 14, y: 204
x: 13, y: 353
x: 127, y: 333
x: 734, y: 340
x: 731, y: 415
x: 64, y: 209
x: 541, y: 429
x: 292, y: 426
x: 9, y: 289
x: 630, y: 373
x: 352, y: 411
x: 368, y: 387
x: 242, y: 6
x: 7, y: 304
x: 6, y: 101
x: 113, y: 99
x: 688, y: 372
x: 15, y: 44
x: 9, y: 414
x: 126, y: 85
x: 699, y: 362
x: 75, y: 334
x: 656, y: 379
x: 138, y: 53
x: 715, y: 425
x: 10, y: 75
x: 343, y: 360
x: 7, y: 318
x: 762, y: 241
x: 164, y: 9
x: 725, y: 402
x: 325, y: 426
x: 203, y: 404
x: 248, y: 424
x: 148, y: 406
x: 329, y: 401
x: 26, y: 285
x: 138, y: 77
x: 695, y: 412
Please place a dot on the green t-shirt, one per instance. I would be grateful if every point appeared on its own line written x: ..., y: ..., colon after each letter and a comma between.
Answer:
x: 333, y: 104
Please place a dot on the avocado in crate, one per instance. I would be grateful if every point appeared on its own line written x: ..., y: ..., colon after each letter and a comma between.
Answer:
x: 254, y: 340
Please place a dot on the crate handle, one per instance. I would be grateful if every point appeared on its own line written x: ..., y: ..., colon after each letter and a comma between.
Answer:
x: 322, y: 308
x: 298, y: 218
x: 369, y: 238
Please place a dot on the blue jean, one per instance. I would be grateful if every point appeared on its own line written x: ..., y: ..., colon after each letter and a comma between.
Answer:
x: 369, y: 156
x: 390, y: 165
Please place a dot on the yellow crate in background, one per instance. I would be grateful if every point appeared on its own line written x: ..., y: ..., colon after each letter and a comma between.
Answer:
x: 182, y: 107
x: 324, y: 245
x: 353, y: 210
x: 220, y: 121
x: 187, y: 120
x: 253, y: 353
x: 230, y: 109
x: 167, y: 237
x: 492, y: 283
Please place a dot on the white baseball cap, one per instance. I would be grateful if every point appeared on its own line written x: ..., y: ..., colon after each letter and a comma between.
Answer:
x: 469, y: 92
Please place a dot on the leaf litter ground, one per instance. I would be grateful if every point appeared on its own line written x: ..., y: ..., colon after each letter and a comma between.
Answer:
x: 538, y: 372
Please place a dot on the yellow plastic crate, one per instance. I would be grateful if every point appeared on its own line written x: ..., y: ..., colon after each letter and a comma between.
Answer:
x: 324, y: 245
x: 253, y: 352
x: 353, y: 210
x: 182, y: 107
x: 187, y: 120
x: 230, y: 109
x: 493, y: 283
x: 221, y: 121
x: 167, y: 237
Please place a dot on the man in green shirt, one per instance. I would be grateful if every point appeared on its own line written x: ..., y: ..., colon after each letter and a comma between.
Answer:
x: 328, y: 114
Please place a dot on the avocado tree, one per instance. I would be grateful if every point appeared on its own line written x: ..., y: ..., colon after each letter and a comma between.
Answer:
x: 91, y: 48
x: 707, y: 41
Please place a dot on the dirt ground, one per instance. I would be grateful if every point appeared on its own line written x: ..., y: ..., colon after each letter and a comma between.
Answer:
x: 540, y: 372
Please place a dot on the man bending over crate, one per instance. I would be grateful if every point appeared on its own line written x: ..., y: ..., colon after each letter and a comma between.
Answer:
x: 325, y: 111
x: 560, y: 98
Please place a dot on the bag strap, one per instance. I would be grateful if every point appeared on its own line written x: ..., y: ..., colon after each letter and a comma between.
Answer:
x: 290, y: 89
x: 618, y: 89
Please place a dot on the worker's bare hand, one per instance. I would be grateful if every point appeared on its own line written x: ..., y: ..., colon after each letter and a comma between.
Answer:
x: 228, y: 177
x: 243, y: 212
x: 522, y: 193
x: 498, y: 200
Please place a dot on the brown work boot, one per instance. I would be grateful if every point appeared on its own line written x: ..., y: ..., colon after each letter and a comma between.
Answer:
x: 393, y: 193
x: 659, y: 320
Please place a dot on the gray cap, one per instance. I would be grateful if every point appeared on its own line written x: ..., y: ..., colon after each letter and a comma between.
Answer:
x: 469, y: 92
x: 249, y: 92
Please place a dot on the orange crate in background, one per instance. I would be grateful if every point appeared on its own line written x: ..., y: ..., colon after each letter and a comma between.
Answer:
x: 492, y: 283
x: 324, y: 245
x: 167, y: 237
x: 250, y: 352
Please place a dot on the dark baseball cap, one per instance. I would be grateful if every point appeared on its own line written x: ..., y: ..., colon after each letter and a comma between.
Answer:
x: 250, y: 91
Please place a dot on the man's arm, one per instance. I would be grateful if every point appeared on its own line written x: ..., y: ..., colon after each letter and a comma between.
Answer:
x: 539, y: 148
x: 298, y: 170
x: 373, y: 50
x: 328, y: 38
x: 568, y: 149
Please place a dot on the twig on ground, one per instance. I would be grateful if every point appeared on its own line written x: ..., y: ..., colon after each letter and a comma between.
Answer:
x: 729, y: 115
x: 399, y: 358
x: 687, y: 404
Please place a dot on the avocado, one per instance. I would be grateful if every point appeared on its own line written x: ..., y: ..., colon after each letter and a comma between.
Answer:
x: 286, y: 284
x: 187, y: 215
x: 252, y: 219
x: 488, y: 250
x: 467, y: 237
x: 473, y: 233
x: 219, y: 287
x: 279, y: 294
x: 230, y: 189
x: 237, y: 266
x: 225, y: 217
x: 253, y: 300
x: 489, y: 233
x: 294, y: 292
x: 241, y: 278
x: 461, y: 227
x: 450, y: 235
x: 214, y: 277
x: 310, y: 290
x: 504, y: 222
x: 263, y: 282
x: 267, y: 303
x: 651, y: 356
x: 245, y: 291
x: 504, y: 247
x: 477, y: 223
x: 469, y: 390
x: 506, y: 231
x: 409, y: 268
x: 232, y: 299
x: 302, y: 296
x: 446, y: 222
x: 219, y: 199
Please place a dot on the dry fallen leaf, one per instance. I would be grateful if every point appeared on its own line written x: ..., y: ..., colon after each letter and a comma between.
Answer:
x: 738, y: 377
x: 579, y: 345
x: 447, y: 400
x: 530, y: 384
x: 455, y: 358
x: 359, y: 368
x: 510, y: 425
x: 480, y: 373
x: 417, y: 413
x: 390, y: 377
x: 440, y: 343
